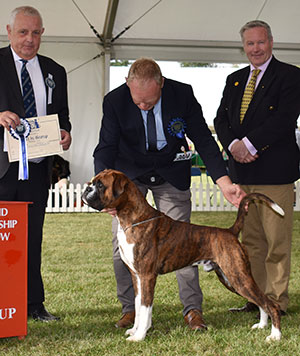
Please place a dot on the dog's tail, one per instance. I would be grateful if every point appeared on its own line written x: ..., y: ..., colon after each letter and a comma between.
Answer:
x: 243, y: 209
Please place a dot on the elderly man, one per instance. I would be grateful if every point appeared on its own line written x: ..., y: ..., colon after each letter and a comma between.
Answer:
x: 24, y: 77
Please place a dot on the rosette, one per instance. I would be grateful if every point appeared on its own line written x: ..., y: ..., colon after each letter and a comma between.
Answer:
x: 177, y: 127
x: 21, y: 132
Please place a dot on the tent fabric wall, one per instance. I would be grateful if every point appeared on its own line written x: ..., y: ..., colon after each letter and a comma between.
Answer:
x: 191, y: 30
x: 85, y: 93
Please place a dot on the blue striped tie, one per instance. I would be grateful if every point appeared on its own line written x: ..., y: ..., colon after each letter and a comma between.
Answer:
x: 28, y: 93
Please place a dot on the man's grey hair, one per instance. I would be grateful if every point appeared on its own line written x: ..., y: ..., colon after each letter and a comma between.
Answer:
x: 256, y: 23
x: 26, y: 10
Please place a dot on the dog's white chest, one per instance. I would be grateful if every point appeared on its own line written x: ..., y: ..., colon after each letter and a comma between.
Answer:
x: 126, y: 249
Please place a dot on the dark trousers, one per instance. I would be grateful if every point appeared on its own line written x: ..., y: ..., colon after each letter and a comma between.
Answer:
x: 34, y: 190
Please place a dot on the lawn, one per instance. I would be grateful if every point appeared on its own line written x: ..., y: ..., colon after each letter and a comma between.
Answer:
x: 81, y: 289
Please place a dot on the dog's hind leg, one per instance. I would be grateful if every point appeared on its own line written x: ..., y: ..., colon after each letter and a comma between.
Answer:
x: 143, y: 307
x: 263, y: 322
x: 240, y: 279
x: 275, y: 332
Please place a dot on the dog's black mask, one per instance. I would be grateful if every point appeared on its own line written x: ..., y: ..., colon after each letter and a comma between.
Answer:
x: 91, y: 195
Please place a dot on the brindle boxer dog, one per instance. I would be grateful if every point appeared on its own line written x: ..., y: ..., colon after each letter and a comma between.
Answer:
x: 152, y: 243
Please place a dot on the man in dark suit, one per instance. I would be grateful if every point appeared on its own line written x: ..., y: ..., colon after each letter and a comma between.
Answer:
x: 264, y: 156
x: 158, y: 160
x: 24, y: 32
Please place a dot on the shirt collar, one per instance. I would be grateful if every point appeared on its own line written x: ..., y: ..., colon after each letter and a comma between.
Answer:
x: 18, y: 58
x: 156, y: 107
x: 263, y: 67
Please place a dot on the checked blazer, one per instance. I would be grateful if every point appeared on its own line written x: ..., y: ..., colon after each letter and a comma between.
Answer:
x: 269, y: 124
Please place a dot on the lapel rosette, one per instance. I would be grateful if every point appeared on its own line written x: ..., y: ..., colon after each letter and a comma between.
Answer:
x: 51, y: 85
x: 177, y: 127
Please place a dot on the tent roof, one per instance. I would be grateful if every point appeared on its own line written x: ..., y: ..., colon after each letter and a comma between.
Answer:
x: 194, y: 30
x: 176, y: 30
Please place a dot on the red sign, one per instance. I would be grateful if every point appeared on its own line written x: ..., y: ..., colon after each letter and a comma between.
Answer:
x: 13, y: 268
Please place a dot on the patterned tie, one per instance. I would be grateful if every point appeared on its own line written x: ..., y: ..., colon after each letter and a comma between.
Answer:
x: 248, y: 94
x: 28, y: 93
x: 151, y: 131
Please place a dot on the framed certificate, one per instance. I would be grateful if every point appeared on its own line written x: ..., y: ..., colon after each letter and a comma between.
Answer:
x: 43, y: 139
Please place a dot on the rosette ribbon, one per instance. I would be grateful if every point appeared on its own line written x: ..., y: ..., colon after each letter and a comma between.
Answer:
x: 177, y: 127
x: 21, y: 132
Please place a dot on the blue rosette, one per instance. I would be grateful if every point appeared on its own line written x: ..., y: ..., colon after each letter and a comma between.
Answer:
x: 177, y: 127
x: 21, y: 132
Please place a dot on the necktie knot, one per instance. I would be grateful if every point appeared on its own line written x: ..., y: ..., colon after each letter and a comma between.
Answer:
x: 24, y: 61
x: 255, y: 73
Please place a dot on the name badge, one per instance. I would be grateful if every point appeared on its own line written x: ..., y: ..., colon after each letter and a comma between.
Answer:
x: 183, y: 156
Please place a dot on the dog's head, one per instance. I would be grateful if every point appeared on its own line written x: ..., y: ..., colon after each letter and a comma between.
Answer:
x: 105, y: 190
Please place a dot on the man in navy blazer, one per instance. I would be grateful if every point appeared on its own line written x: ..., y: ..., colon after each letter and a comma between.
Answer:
x: 164, y: 169
x: 24, y: 32
x: 264, y: 156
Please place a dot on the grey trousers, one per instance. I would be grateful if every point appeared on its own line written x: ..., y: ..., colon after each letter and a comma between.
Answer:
x: 176, y: 204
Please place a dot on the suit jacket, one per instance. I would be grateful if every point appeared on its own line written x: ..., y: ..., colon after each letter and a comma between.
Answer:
x: 11, y: 95
x: 269, y: 124
x: 122, y: 142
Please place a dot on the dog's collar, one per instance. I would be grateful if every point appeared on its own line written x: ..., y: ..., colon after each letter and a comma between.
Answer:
x: 142, y: 222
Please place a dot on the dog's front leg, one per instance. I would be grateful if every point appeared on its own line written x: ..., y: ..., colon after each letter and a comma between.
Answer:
x: 137, y: 303
x: 143, y: 307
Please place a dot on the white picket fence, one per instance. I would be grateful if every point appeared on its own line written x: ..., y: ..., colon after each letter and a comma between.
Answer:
x: 205, y: 197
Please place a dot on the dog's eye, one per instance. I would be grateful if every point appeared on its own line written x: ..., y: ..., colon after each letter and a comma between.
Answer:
x: 99, y: 185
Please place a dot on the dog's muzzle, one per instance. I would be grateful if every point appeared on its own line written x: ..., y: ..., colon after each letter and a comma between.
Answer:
x: 91, y: 198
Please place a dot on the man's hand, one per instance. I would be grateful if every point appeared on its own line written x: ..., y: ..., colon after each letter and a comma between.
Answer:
x: 232, y: 192
x: 9, y: 119
x: 66, y: 139
x: 241, y: 154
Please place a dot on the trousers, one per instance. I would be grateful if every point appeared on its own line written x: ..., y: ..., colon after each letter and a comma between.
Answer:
x: 268, y: 240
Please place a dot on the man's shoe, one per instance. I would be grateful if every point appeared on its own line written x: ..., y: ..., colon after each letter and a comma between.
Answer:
x: 194, y: 320
x: 248, y: 307
x: 126, y: 321
x: 42, y: 314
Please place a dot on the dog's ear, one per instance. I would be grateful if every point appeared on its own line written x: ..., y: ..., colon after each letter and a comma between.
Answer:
x: 119, y: 184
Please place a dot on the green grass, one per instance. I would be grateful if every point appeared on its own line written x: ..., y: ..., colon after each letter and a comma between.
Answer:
x: 81, y: 289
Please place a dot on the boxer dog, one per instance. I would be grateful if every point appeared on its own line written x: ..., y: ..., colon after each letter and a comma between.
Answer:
x: 152, y: 243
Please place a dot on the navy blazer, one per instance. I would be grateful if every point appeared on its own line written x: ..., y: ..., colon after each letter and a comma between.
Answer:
x: 269, y: 124
x: 11, y: 94
x: 122, y: 142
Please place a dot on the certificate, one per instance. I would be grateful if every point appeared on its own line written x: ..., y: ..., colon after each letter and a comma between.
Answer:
x: 43, y: 139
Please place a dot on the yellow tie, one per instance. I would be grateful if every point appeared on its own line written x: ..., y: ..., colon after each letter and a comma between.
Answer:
x: 248, y: 94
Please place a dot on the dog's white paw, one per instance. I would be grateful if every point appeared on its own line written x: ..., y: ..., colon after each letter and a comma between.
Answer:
x: 275, y: 334
x: 259, y: 325
x: 130, y: 331
x: 136, y: 337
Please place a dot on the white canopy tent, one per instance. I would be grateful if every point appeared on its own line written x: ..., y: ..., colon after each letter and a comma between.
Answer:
x: 84, y: 35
